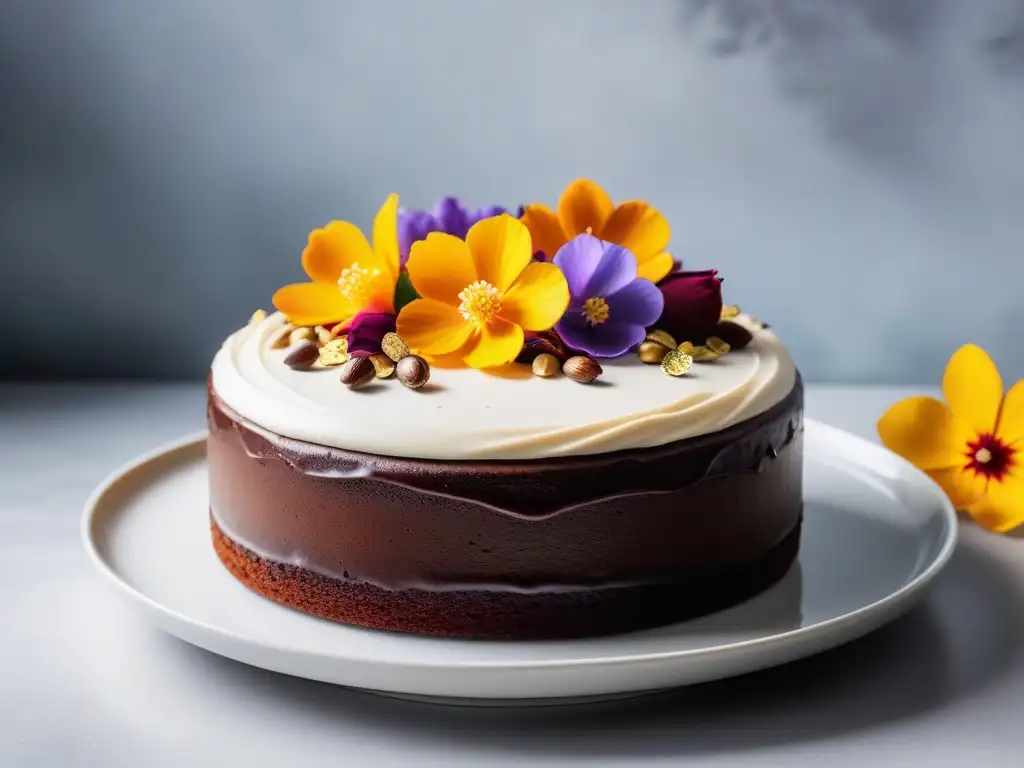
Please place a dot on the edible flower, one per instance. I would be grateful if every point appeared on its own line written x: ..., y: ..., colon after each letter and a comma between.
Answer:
x: 449, y: 216
x: 609, y: 306
x: 348, y: 276
x: 693, y: 305
x: 585, y: 208
x: 367, y: 331
x: 480, y: 294
x: 971, y: 444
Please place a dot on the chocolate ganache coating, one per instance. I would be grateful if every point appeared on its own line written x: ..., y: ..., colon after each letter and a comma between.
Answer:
x: 683, y: 528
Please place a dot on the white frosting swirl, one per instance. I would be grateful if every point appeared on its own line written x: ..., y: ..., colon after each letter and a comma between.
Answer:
x: 467, y: 414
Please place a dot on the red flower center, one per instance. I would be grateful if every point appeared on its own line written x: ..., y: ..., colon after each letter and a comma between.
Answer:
x: 989, y: 456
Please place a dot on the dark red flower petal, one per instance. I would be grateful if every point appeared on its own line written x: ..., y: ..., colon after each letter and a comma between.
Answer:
x: 693, y: 305
x: 366, y: 332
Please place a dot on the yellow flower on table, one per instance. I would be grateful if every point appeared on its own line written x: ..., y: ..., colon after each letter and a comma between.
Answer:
x: 973, y: 444
x: 585, y: 208
x: 348, y: 276
x: 480, y: 294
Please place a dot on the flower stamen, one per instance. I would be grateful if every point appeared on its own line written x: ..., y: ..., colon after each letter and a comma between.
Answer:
x: 355, y: 281
x: 481, y: 301
x: 595, y: 310
x: 990, y: 456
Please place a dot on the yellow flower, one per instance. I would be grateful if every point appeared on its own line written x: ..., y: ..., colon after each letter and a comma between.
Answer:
x: 586, y: 208
x: 348, y: 275
x: 479, y: 294
x: 972, y: 446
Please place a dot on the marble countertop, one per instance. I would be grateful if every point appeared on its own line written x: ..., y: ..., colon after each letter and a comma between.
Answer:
x: 84, y: 681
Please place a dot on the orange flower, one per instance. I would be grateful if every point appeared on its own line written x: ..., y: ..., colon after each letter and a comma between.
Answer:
x: 586, y: 208
x: 348, y: 275
x: 970, y: 447
x: 479, y: 295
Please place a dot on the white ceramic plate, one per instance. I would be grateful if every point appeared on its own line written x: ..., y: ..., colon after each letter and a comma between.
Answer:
x: 876, y: 533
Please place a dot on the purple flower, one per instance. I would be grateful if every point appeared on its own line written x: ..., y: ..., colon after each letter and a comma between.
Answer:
x: 449, y: 216
x: 609, y: 306
x: 366, y: 332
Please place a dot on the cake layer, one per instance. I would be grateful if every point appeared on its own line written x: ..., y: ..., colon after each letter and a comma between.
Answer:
x: 512, y: 615
x: 687, y: 510
x: 467, y: 414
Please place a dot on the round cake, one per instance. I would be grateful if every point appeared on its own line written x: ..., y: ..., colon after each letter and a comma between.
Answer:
x: 365, y: 468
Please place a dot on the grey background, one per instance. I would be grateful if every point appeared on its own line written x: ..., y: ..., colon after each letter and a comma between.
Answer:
x: 854, y: 167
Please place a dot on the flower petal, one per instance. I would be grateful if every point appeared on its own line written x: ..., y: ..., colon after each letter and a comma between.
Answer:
x: 413, y: 226
x: 1002, y: 507
x: 452, y: 216
x: 616, y: 270
x: 537, y: 299
x: 331, y: 249
x: 385, y: 236
x: 432, y: 327
x: 496, y: 343
x: 657, y: 267
x: 366, y: 332
x: 313, y: 304
x: 639, y: 303
x: 1011, y: 416
x: 584, y: 205
x: 639, y: 228
x: 440, y: 267
x: 693, y: 305
x: 964, y: 487
x: 921, y: 430
x: 486, y: 213
x: 973, y: 388
x: 501, y: 249
x: 546, y: 231
x: 608, y: 339
x: 578, y: 260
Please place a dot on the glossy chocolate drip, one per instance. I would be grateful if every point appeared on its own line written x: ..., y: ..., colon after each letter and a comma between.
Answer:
x: 649, y: 516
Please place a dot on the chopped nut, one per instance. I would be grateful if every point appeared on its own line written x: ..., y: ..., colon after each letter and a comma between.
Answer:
x: 413, y: 371
x: 302, y: 356
x: 582, y: 369
x: 652, y: 351
x: 702, y: 354
x: 394, y: 347
x: 301, y: 334
x: 258, y: 317
x: 282, y: 338
x: 686, y: 348
x: 662, y: 337
x: 676, y: 363
x: 357, y: 372
x: 729, y: 311
x: 545, y: 365
x: 383, y: 365
x: 334, y: 353
x: 717, y: 346
x: 323, y: 335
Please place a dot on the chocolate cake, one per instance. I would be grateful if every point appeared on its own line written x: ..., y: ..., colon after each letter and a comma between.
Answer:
x: 466, y: 444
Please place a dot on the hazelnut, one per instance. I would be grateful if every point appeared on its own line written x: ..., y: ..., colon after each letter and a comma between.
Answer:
x: 733, y: 334
x: 357, y: 372
x: 582, y: 369
x: 413, y: 371
x: 303, y: 356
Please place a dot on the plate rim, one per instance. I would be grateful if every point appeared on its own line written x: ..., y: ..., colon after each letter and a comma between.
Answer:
x: 886, y: 607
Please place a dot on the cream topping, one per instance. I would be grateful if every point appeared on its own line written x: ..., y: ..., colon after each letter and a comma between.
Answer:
x: 467, y: 414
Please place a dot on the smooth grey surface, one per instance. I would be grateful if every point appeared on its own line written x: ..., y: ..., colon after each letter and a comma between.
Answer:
x: 852, y: 166
x: 85, y: 683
